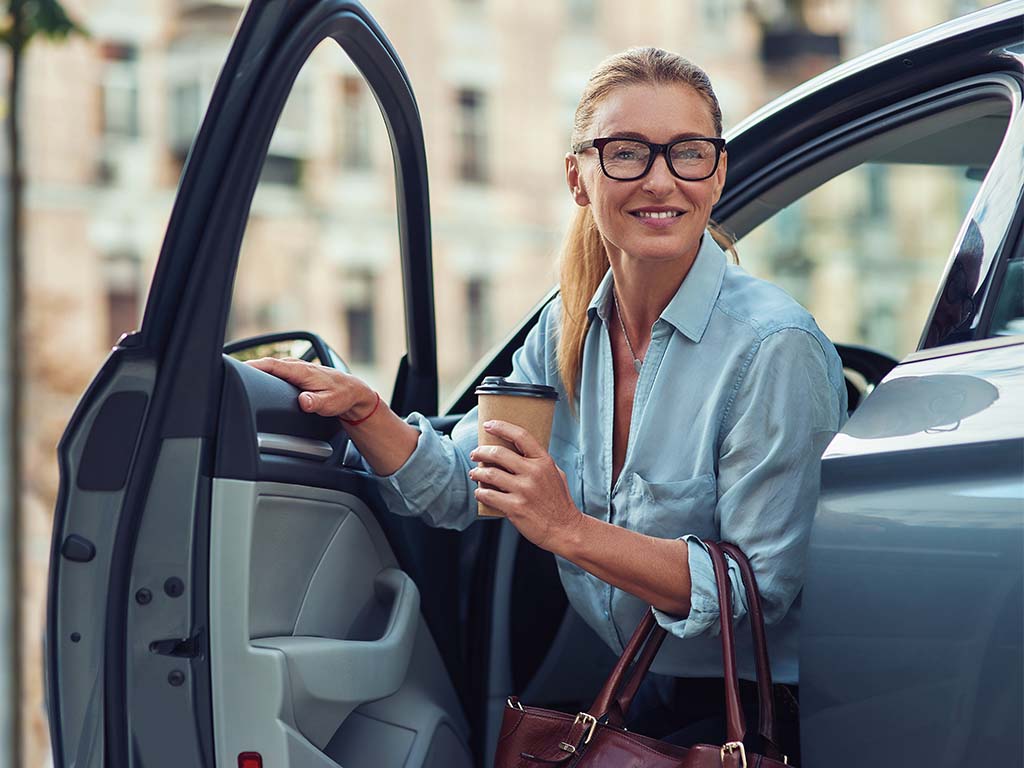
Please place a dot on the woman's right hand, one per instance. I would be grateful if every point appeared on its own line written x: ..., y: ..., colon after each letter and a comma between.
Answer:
x: 385, y: 441
x: 325, y: 391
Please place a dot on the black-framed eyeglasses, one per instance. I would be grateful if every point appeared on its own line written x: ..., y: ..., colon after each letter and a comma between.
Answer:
x: 623, y: 159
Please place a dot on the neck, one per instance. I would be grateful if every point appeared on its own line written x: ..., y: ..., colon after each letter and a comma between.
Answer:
x: 644, y: 289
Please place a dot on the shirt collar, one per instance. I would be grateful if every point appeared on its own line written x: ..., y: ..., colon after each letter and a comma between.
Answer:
x: 689, y: 311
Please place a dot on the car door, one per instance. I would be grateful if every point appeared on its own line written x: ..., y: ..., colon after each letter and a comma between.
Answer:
x: 223, y: 588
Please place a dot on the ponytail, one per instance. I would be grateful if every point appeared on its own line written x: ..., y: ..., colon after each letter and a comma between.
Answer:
x: 584, y: 263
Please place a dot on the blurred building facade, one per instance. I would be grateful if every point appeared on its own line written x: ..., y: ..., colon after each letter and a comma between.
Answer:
x: 109, y: 121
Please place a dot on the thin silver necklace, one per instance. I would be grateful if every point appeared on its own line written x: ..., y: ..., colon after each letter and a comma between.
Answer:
x: 637, y: 362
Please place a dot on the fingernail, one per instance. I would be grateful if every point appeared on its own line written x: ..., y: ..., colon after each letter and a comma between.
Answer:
x: 307, y: 399
x: 488, y: 424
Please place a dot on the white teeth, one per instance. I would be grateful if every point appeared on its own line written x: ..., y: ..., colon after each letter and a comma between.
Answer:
x: 657, y: 214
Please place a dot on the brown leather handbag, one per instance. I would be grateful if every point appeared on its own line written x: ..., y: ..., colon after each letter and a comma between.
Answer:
x: 533, y: 738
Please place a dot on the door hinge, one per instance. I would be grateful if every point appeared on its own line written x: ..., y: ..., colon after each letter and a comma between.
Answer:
x: 187, y: 648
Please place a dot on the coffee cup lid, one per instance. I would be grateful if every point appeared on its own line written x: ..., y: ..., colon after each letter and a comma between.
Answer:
x: 498, y: 385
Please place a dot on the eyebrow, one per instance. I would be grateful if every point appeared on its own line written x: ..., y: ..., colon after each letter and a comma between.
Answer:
x: 642, y: 137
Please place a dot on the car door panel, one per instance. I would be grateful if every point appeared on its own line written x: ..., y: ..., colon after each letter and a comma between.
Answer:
x: 161, y: 641
x: 311, y: 616
x: 285, y: 647
x: 77, y: 591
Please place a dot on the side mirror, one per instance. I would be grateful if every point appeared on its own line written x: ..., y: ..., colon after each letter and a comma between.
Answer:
x: 299, y: 344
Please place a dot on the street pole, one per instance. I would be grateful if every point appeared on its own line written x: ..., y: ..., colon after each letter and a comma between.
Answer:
x: 11, y: 362
x: 9, y: 598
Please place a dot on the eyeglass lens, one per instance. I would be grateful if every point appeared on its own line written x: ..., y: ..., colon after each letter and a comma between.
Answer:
x: 624, y: 159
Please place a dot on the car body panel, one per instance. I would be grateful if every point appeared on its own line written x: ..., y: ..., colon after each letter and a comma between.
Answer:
x: 953, y: 400
x: 912, y: 622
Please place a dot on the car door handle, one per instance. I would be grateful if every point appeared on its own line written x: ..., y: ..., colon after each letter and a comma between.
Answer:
x: 289, y: 445
x: 329, y: 678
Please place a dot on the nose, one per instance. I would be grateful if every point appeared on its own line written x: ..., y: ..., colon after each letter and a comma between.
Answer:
x: 659, y: 179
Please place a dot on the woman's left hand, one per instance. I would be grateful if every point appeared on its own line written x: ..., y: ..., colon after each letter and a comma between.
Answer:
x: 528, y: 487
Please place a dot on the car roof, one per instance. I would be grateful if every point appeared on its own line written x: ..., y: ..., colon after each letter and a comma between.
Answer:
x: 962, y: 34
x: 975, y: 44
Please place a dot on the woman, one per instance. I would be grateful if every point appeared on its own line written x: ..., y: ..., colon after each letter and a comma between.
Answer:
x: 695, y: 400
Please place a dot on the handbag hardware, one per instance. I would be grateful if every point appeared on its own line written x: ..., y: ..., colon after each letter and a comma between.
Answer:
x: 586, y: 717
x: 731, y: 746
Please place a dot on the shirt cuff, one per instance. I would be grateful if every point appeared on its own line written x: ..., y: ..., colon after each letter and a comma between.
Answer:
x: 704, y: 613
x: 416, y: 484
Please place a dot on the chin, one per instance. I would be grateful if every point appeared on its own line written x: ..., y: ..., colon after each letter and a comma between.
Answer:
x: 664, y: 251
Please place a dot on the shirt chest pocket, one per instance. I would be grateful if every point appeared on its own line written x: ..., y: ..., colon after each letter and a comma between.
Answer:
x: 672, y: 509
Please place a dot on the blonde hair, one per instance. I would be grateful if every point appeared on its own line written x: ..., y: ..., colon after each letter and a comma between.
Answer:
x: 583, y: 260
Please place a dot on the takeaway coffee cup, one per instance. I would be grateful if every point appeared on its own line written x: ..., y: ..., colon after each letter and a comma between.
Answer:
x: 530, y: 406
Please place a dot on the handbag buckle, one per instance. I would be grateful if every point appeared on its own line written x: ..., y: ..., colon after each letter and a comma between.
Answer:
x: 514, y: 704
x: 586, y: 718
x: 731, y: 746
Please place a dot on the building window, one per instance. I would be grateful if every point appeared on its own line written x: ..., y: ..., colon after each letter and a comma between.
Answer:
x: 582, y: 13
x: 471, y: 136
x: 478, y: 317
x: 355, y: 125
x: 120, y: 86
x: 281, y: 169
x: 292, y: 135
x: 359, y: 292
x: 186, y: 103
x: 718, y: 14
x: 121, y: 278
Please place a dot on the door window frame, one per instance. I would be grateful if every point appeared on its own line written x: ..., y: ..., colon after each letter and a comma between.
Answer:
x: 1002, y: 180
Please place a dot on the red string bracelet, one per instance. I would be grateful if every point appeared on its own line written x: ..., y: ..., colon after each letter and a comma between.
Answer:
x: 357, y: 422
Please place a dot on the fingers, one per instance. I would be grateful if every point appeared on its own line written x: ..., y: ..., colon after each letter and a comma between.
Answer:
x: 524, y: 442
x: 500, y: 456
x: 313, y: 402
x: 495, y: 499
x: 324, y: 391
x: 295, y: 372
x: 494, y: 477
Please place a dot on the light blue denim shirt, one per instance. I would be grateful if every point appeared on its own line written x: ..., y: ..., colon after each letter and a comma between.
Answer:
x: 738, y: 396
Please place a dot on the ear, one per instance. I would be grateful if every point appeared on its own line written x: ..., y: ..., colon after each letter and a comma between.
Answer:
x: 719, y: 177
x: 574, y: 179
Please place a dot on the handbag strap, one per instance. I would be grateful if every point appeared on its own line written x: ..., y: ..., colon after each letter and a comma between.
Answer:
x: 735, y: 723
x: 647, y: 633
x: 766, y: 714
x: 614, y: 699
x: 618, y: 708
x: 766, y: 701
x: 646, y: 641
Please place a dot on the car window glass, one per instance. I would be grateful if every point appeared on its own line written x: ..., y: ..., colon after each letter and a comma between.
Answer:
x: 1008, y: 313
x: 321, y: 247
x: 865, y: 250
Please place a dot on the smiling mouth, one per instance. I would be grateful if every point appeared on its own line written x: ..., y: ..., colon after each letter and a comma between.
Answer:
x: 656, y: 214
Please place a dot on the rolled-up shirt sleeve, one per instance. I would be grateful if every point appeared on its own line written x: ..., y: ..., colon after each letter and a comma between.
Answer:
x: 786, y: 408
x: 433, y: 483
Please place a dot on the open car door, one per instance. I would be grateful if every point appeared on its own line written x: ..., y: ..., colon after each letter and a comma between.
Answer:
x: 223, y: 589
